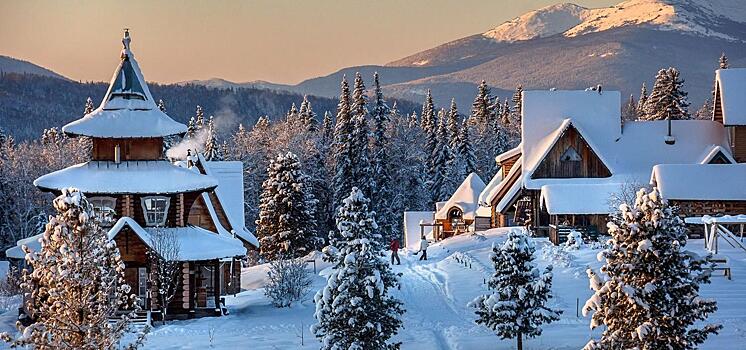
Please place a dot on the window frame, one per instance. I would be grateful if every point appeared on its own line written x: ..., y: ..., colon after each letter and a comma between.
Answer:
x: 101, y: 200
x: 145, y: 210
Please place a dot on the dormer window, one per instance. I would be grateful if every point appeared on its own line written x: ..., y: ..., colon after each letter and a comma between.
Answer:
x: 571, y: 155
x: 155, y: 209
x: 104, y: 209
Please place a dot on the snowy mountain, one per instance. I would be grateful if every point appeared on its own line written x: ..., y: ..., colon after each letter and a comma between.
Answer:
x: 12, y: 65
x: 219, y: 83
x: 699, y: 17
x: 571, y: 47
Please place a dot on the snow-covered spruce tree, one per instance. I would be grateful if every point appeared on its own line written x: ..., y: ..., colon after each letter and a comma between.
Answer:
x: 641, y: 101
x: 465, y: 150
x: 286, y: 223
x: 307, y: 115
x: 517, y: 103
x: 199, y: 121
x: 481, y: 109
x: 629, y: 110
x: 354, y: 310
x: 667, y: 99
x: 440, y: 182
x: 343, y: 172
x: 429, y: 125
x: 647, y: 295
x: 88, y: 106
x: 191, y: 129
x: 516, y: 308
x: 76, y: 284
x: 723, y: 61
x: 212, y: 146
x: 361, y: 167
x: 382, y: 192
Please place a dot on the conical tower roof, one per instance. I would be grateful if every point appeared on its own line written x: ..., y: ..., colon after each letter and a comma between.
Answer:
x: 128, y: 110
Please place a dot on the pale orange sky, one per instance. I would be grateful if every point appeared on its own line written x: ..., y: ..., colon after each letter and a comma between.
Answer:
x: 279, y: 41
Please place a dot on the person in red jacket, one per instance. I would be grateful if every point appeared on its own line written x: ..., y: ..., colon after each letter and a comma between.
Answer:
x: 395, y: 251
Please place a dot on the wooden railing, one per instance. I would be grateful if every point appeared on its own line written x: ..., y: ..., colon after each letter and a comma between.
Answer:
x: 558, y: 233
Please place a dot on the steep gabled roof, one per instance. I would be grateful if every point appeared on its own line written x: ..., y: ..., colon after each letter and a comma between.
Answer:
x: 730, y: 89
x: 715, y: 150
x: 128, y: 110
x: 466, y: 198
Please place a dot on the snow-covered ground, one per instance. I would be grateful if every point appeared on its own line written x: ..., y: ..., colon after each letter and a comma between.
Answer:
x: 435, y: 294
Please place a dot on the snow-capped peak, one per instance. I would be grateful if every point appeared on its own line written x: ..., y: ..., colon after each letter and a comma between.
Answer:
x: 547, y: 21
x: 701, y: 17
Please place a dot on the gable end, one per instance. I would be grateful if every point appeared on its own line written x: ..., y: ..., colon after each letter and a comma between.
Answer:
x: 571, y: 157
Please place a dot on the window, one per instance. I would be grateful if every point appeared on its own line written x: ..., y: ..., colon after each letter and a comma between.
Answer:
x: 155, y: 210
x: 571, y: 155
x: 104, y: 209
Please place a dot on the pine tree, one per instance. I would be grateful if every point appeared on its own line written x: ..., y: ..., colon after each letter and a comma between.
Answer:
x: 293, y: 115
x: 354, y: 310
x: 516, y: 308
x: 88, y: 106
x: 517, y: 102
x: 648, y: 294
x: 286, y: 223
x: 629, y: 111
x: 381, y: 193
x: 429, y: 126
x: 191, y: 129
x: 723, y: 62
x: 199, y: 121
x: 76, y: 284
x: 465, y: 150
x: 327, y: 129
x: 343, y: 164
x: 361, y: 132
x: 307, y: 115
x: 642, y: 101
x: 162, y: 106
x: 439, y: 186
x: 668, y: 99
x: 212, y: 146
x: 481, y: 109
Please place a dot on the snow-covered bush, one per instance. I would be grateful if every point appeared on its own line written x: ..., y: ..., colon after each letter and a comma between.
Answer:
x: 354, y: 310
x: 165, y: 266
x: 647, y: 294
x: 574, y: 240
x: 516, y: 308
x: 289, y: 281
x: 77, y: 284
x: 12, y: 283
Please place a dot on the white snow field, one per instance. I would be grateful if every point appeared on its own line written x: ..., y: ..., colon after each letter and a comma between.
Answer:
x: 435, y: 294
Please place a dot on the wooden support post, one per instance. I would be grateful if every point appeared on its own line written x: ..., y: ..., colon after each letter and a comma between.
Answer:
x: 216, y: 277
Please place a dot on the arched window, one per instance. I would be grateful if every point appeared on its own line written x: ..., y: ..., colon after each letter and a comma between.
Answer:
x: 155, y: 209
x: 455, y: 215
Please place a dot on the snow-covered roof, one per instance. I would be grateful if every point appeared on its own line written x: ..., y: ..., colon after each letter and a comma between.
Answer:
x: 128, y: 110
x: 700, y: 181
x: 713, y: 150
x: 466, y: 198
x: 152, y: 177
x: 508, y: 154
x: 195, y: 243
x: 629, y: 153
x: 731, y: 84
x: 577, y: 198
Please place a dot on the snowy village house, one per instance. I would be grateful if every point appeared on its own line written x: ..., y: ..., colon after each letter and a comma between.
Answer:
x: 576, y: 155
x: 137, y: 193
x: 456, y: 215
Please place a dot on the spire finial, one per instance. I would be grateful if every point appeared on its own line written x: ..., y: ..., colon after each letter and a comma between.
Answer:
x: 126, y: 40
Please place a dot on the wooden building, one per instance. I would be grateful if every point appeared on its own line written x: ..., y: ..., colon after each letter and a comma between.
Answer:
x: 575, y: 154
x: 136, y: 193
x: 457, y: 214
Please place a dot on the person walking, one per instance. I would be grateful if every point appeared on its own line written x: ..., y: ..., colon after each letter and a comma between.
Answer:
x: 423, y: 248
x: 394, y: 246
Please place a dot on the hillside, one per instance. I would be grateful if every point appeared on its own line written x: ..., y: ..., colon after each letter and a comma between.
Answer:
x: 13, y: 65
x: 567, y: 46
x: 31, y: 103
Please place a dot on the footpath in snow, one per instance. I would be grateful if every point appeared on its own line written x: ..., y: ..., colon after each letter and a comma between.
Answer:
x: 435, y: 294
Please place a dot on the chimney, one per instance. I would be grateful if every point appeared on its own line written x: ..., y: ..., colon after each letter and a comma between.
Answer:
x: 117, y: 154
x: 670, y: 140
x: 190, y: 162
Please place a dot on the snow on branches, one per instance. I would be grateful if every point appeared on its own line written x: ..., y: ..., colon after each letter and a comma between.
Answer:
x: 76, y: 285
x: 354, y: 309
x: 647, y: 295
x: 517, y: 305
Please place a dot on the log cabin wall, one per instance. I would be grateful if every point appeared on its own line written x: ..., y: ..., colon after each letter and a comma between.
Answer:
x: 738, y: 142
x: 700, y: 208
x: 220, y: 211
x: 508, y: 163
x: 131, y: 248
x: 199, y: 215
x: 562, y: 162
x: 130, y: 149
